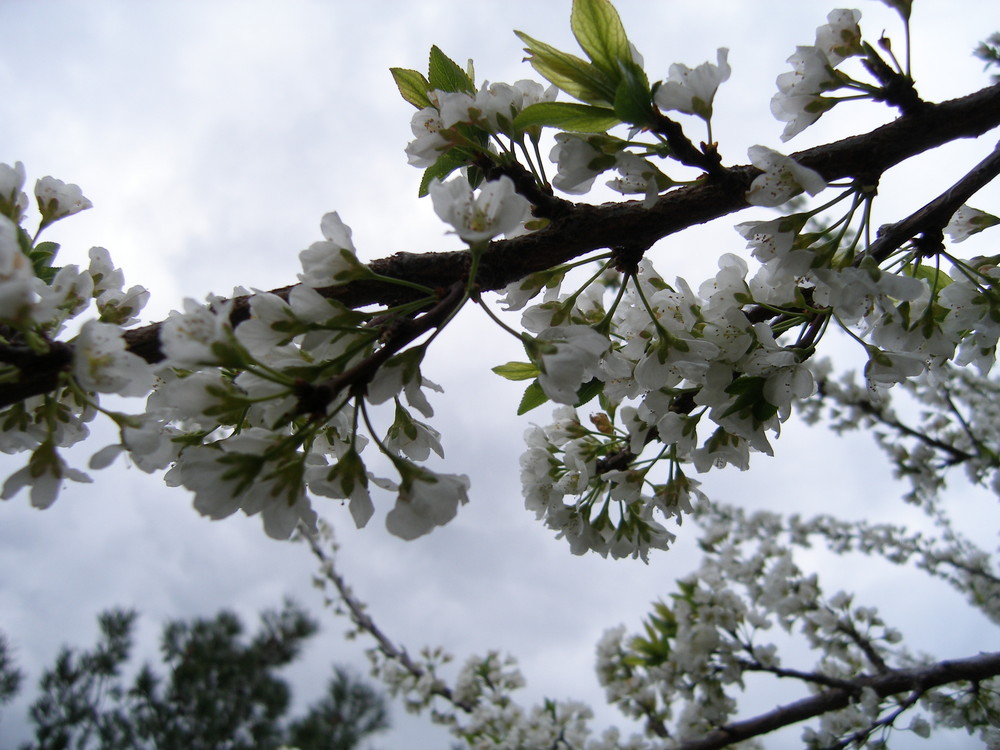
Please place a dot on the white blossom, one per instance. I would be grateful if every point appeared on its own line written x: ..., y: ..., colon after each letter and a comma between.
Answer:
x: 332, y: 261
x: 201, y: 335
x: 13, y: 199
x: 840, y: 37
x: 497, y: 209
x: 428, y: 143
x: 968, y: 221
x: 57, y: 200
x: 569, y: 357
x: 799, y: 101
x: 783, y: 178
x: 426, y: 500
x: 346, y: 479
x: 17, y: 279
x: 101, y: 362
x: 578, y: 163
x: 66, y: 296
x: 45, y: 473
x: 638, y: 175
x: 693, y: 91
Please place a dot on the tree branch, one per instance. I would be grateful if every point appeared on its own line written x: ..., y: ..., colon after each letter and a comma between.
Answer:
x: 316, y: 398
x: 918, y: 680
x: 577, y: 229
x: 360, y: 618
x: 935, y: 215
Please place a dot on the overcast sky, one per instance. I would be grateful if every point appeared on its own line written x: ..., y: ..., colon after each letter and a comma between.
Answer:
x: 212, y: 136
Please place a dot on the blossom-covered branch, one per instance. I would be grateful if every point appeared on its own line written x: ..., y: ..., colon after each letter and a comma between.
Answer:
x: 582, y: 228
x: 918, y: 680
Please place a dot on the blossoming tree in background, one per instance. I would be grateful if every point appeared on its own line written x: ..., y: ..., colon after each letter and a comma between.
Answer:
x: 263, y: 402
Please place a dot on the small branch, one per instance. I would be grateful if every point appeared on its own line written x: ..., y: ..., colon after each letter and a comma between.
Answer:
x: 681, y: 404
x: 815, y: 678
x: 856, y: 738
x: 877, y: 415
x: 544, y: 203
x: 682, y: 149
x: 866, y: 647
x: 918, y: 679
x: 313, y: 399
x: 365, y: 623
x: 933, y: 217
x: 969, y: 570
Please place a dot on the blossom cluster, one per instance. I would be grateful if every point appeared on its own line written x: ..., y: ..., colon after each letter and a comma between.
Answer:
x: 265, y: 415
x: 226, y: 415
x: 691, y: 375
x: 704, y: 375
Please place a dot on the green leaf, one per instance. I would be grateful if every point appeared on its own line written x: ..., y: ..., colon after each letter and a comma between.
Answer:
x: 413, y: 87
x: 577, y: 118
x: 633, y: 99
x: 749, y: 392
x: 589, y: 391
x: 575, y: 76
x: 445, y: 74
x: 533, y: 397
x: 599, y: 31
x: 936, y: 278
x: 46, y: 250
x: 41, y: 256
x: 447, y: 163
x: 517, y: 371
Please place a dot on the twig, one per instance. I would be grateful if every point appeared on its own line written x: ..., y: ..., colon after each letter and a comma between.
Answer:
x: 365, y: 623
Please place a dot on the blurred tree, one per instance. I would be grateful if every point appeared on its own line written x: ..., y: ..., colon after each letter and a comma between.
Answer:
x: 10, y: 676
x: 219, y: 691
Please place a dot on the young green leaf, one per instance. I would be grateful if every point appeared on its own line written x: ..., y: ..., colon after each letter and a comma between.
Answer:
x: 413, y: 87
x: 599, y: 31
x: 588, y: 391
x: 533, y: 397
x: 517, y: 371
x: 575, y: 76
x: 447, y: 163
x: 577, y: 118
x: 936, y: 278
x: 749, y: 392
x: 445, y: 74
x: 633, y: 100
x: 45, y: 252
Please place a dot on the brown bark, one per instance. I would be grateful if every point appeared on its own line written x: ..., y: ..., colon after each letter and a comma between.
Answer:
x: 917, y: 680
x: 577, y: 229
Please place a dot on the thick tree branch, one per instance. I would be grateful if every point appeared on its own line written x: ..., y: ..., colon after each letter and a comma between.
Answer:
x: 579, y: 229
x: 918, y: 680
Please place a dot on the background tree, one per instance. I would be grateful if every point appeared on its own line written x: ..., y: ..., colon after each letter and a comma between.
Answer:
x: 350, y: 711
x: 10, y: 676
x: 219, y: 691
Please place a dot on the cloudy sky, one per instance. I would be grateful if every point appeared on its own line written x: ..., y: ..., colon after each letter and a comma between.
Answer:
x: 211, y: 137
